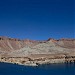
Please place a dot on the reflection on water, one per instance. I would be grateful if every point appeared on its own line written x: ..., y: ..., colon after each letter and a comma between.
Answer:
x: 52, y: 69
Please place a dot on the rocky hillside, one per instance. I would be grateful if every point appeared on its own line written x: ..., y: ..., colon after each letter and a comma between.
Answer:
x: 21, y: 48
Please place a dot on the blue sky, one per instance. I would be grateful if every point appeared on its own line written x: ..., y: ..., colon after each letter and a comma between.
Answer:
x: 37, y: 19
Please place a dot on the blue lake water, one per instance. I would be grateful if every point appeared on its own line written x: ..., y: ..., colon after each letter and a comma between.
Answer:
x: 53, y: 69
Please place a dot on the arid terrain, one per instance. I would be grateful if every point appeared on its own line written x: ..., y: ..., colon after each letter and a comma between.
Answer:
x: 32, y: 52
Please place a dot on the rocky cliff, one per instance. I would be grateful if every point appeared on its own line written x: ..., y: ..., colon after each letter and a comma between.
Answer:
x: 39, y: 51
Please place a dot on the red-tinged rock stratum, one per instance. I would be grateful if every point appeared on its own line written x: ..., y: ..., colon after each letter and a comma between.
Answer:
x: 32, y: 52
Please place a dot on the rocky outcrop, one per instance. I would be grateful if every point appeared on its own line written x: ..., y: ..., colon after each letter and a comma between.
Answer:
x: 32, y: 52
x: 35, y: 61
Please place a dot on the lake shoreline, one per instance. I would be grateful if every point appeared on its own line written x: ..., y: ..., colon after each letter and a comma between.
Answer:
x: 27, y: 61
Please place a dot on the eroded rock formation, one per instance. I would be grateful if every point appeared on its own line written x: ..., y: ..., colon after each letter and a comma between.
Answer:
x: 31, y: 52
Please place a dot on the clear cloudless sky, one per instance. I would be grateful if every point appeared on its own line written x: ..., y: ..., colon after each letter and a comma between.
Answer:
x: 37, y: 19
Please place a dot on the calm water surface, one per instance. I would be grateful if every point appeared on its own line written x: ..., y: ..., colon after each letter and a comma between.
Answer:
x: 54, y: 69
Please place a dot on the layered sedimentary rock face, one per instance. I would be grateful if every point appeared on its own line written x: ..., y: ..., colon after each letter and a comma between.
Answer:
x: 20, y: 48
x: 9, y: 44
